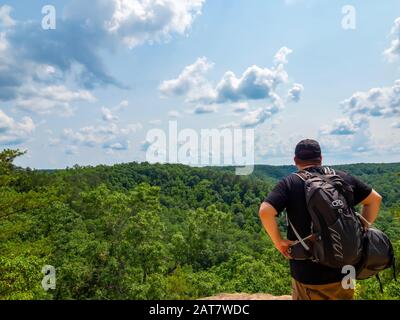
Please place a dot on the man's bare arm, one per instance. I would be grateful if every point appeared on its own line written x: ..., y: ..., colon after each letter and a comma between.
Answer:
x: 371, y: 205
x: 268, y: 218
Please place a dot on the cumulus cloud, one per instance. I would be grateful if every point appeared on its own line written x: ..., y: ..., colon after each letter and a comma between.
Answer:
x: 110, y: 136
x: 271, y: 144
x: 71, y: 150
x: 240, y: 107
x: 3, y: 42
x: 353, y: 131
x: 393, y: 52
x: 204, y: 109
x: 138, y: 21
x: 190, y: 80
x: 294, y: 94
x: 376, y: 102
x: 229, y: 125
x: 346, y: 135
x: 381, y: 102
x: 13, y: 132
x: 5, y: 18
x: 342, y: 126
x: 258, y: 116
x: 107, y: 115
x: 51, y: 99
x: 254, y: 84
x: 281, y: 55
x: 73, y: 52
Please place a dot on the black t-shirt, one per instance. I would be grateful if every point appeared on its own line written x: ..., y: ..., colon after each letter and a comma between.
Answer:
x: 289, y: 194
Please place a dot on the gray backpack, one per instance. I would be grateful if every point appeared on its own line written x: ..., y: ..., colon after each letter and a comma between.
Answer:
x: 337, y: 235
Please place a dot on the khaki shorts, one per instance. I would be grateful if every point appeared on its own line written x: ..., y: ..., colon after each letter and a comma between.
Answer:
x: 331, y: 291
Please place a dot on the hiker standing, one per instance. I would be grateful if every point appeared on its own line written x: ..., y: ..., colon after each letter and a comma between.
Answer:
x: 312, y: 279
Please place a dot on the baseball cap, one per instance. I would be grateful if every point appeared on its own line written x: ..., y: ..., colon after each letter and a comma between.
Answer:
x: 308, y: 149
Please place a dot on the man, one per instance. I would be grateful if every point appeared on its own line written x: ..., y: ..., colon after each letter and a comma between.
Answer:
x: 310, y: 280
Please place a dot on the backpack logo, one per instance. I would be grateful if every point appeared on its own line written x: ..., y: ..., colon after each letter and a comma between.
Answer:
x: 337, y: 203
x: 337, y: 244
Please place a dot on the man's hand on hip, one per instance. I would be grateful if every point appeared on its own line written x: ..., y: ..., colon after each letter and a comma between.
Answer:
x: 283, y: 246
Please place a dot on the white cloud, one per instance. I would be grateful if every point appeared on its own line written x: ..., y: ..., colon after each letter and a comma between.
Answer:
x: 393, y: 52
x: 255, y: 84
x: 72, y: 53
x: 3, y: 42
x: 71, y: 150
x: 140, y: 21
x: 190, y: 80
x: 275, y: 148
x: 240, y: 107
x: 229, y: 125
x: 342, y: 126
x: 111, y: 136
x: 5, y: 18
x: 13, y: 132
x: 347, y: 135
x: 281, y: 55
x: 258, y: 116
x: 376, y: 102
x: 53, y: 99
x: 295, y: 92
x: 122, y: 105
x: 107, y: 115
x: 203, y: 109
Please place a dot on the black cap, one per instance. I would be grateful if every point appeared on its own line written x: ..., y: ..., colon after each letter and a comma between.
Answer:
x: 308, y: 149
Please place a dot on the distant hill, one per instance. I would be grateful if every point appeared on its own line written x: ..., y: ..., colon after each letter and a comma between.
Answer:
x: 383, y: 177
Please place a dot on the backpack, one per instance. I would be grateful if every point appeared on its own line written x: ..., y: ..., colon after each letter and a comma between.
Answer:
x: 378, y: 255
x: 338, y: 236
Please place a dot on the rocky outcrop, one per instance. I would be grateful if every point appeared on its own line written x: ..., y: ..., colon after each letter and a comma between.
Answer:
x: 246, y: 296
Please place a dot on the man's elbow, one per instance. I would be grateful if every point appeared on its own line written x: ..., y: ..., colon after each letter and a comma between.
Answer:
x: 266, y: 209
x: 376, y: 199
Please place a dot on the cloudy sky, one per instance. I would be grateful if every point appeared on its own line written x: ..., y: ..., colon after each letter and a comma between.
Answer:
x: 89, y: 91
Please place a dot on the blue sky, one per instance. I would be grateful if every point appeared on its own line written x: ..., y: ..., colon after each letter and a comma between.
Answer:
x: 89, y: 91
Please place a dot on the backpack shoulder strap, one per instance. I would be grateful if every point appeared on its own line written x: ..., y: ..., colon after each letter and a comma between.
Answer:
x: 305, y: 246
x: 303, y: 175
x: 329, y: 171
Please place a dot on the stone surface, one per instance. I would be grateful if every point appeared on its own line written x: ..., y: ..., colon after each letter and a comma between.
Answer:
x: 245, y: 296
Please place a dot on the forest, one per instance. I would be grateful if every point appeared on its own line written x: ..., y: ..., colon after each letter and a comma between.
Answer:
x: 153, y: 231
